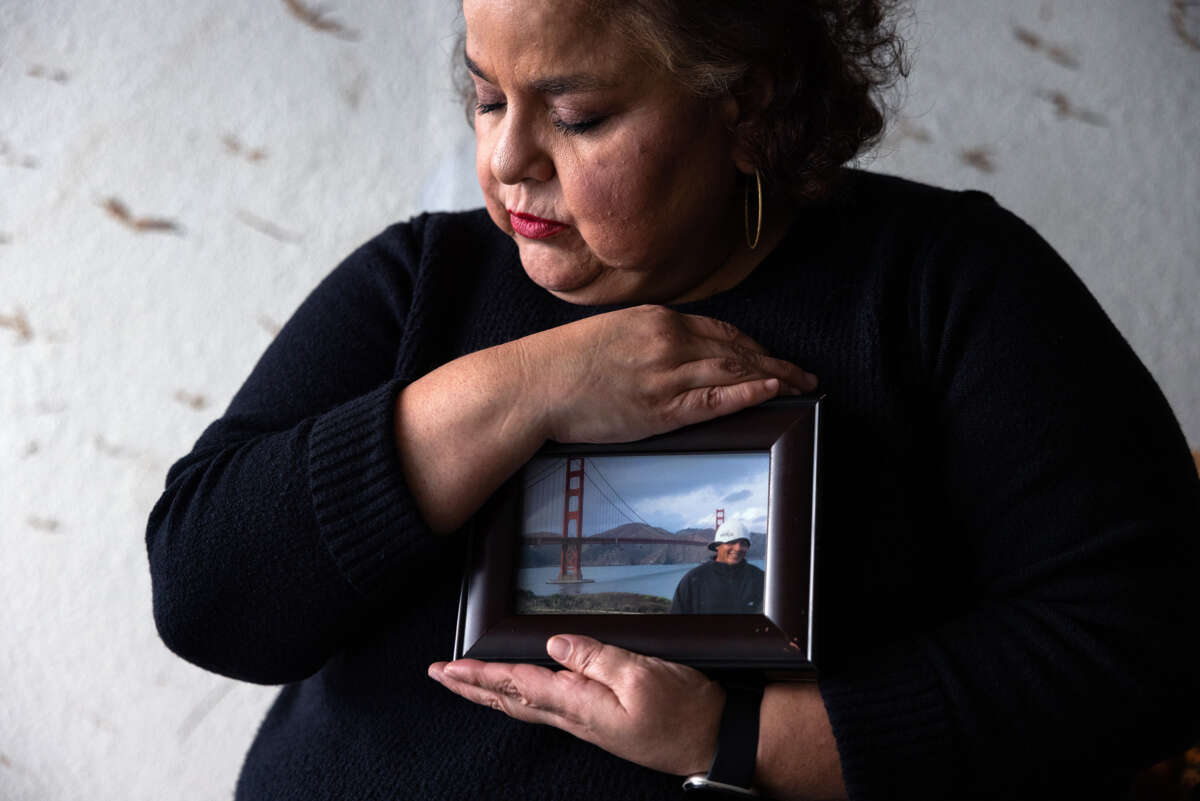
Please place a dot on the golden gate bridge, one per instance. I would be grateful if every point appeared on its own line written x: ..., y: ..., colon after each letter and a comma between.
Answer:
x: 607, y: 511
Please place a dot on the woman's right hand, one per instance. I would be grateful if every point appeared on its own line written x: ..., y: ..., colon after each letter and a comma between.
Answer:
x: 632, y: 373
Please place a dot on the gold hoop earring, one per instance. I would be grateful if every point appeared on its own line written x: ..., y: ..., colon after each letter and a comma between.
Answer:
x: 758, y: 225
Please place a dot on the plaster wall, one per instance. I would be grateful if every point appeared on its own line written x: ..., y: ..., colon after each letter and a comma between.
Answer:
x: 174, y: 178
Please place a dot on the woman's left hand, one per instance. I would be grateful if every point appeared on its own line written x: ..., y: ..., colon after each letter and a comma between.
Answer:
x: 658, y: 714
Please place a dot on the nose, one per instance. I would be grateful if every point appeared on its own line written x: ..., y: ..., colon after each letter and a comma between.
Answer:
x: 517, y: 153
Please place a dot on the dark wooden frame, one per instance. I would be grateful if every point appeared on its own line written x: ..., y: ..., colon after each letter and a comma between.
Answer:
x: 777, y: 642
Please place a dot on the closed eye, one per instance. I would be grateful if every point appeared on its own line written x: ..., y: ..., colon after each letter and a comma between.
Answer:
x: 574, y: 128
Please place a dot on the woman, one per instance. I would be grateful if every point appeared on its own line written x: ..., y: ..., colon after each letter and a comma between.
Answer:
x: 1009, y: 544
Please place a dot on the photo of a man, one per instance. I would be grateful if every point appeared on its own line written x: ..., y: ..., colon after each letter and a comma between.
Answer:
x: 726, y: 585
x: 616, y: 533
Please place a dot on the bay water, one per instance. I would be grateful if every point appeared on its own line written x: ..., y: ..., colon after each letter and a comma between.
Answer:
x: 659, y: 580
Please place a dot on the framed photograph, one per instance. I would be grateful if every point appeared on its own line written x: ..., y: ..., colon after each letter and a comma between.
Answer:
x: 697, y: 546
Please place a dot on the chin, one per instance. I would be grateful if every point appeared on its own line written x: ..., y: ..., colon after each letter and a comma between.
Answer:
x: 567, y: 279
x: 554, y: 277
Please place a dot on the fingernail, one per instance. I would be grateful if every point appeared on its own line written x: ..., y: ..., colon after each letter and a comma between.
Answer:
x: 434, y: 673
x: 810, y: 382
x: 452, y: 670
x: 559, y: 648
x: 771, y: 384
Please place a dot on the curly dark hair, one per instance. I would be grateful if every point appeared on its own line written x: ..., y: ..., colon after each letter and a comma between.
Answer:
x: 831, y: 65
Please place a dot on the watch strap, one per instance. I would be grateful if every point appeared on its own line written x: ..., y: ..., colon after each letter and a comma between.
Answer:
x: 737, y: 738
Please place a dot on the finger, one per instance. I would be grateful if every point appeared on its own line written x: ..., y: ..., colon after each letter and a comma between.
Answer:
x: 491, y: 685
x: 743, y: 366
x: 705, y: 403
x: 605, y: 665
x: 712, y: 328
x: 525, y: 692
x: 791, y: 376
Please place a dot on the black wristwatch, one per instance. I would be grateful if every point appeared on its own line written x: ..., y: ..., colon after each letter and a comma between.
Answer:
x: 732, y: 772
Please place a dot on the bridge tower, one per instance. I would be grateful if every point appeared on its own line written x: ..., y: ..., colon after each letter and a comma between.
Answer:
x: 720, y: 518
x: 570, y: 565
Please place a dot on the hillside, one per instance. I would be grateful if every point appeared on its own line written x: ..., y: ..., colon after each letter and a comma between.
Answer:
x: 666, y: 553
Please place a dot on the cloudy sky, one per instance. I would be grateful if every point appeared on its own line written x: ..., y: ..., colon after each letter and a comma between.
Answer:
x: 672, y: 491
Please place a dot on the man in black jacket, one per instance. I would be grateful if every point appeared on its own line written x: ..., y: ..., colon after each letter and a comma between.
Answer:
x: 728, y: 585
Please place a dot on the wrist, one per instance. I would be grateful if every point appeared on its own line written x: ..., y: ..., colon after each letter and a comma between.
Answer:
x: 732, y: 771
x: 798, y: 754
x: 461, y: 431
x: 532, y: 385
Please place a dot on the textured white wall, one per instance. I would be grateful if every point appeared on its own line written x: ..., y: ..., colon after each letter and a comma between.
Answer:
x: 266, y: 149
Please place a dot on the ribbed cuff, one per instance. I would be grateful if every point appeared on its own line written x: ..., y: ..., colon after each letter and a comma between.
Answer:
x: 892, y: 730
x: 367, y: 516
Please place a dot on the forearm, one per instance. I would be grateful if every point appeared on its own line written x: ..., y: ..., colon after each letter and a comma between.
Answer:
x: 463, y: 429
x: 797, y: 755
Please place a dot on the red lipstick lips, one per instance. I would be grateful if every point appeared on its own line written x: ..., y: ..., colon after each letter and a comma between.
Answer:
x: 532, y: 227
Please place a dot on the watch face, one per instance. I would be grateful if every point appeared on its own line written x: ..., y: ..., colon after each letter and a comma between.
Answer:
x: 703, y: 787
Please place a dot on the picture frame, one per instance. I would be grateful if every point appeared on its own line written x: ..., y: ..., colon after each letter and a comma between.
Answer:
x: 778, y: 642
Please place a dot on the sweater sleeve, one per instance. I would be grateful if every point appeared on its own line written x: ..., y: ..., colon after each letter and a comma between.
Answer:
x: 290, y: 520
x: 1068, y: 486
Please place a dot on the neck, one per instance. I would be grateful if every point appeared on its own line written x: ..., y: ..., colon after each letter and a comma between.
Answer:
x: 743, y: 260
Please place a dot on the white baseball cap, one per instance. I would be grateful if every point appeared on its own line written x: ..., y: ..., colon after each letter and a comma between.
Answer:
x: 729, y: 531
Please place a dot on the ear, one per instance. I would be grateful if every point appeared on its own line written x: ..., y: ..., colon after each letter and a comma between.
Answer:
x: 744, y: 108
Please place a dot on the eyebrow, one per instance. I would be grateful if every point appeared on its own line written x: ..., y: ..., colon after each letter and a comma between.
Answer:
x: 554, y: 85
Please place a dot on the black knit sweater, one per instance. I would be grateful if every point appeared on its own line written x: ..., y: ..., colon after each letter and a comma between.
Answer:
x: 1008, y: 547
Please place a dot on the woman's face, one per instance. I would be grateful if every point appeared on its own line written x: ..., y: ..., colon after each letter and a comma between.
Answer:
x: 617, y: 184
